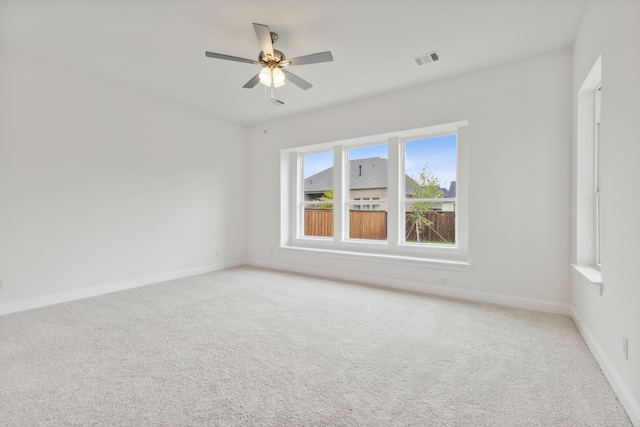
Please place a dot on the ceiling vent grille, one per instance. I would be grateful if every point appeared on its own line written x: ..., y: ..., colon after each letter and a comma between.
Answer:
x: 427, y: 57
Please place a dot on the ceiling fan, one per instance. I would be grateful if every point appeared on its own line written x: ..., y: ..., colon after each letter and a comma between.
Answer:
x: 273, y: 62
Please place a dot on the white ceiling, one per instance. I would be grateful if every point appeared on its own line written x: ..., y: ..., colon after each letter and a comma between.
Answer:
x: 158, y: 46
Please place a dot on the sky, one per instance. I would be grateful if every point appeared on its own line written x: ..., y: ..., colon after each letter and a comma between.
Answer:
x: 438, y: 152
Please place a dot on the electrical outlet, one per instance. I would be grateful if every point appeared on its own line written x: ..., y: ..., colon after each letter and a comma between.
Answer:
x: 443, y: 280
x: 625, y: 347
x: 3, y: 284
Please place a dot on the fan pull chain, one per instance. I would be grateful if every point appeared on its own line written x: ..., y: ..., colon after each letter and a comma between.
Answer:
x: 265, y: 106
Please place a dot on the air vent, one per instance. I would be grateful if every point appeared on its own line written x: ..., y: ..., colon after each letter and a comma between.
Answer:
x: 427, y: 57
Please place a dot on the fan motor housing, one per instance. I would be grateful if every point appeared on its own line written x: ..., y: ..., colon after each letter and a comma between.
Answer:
x: 278, y: 56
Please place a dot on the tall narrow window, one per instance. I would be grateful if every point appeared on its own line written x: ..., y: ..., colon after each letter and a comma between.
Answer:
x: 587, y: 178
x: 596, y: 172
x: 318, y: 194
x: 368, y: 181
x: 429, y: 203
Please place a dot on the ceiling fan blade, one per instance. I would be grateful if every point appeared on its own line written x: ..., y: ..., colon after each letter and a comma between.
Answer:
x: 311, y: 59
x: 230, y: 58
x: 253, y: 82
x: 301, y: 83
x: 264, y: 37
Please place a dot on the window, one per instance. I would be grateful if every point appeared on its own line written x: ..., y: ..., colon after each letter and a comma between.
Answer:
x: 375, y: 206
x: 399, y: 197
x: 587, y: 254
x: 430, y: 190
x: 317, y: 204
x: 367, y: 177
x: 596, y: 172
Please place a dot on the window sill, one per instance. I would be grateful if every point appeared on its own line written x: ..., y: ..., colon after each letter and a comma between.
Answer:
x: 443, y: 264
x: 592, y: 275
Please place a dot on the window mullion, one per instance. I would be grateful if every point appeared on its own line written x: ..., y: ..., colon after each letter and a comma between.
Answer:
x: 395, y: 187
x: 297, y: 194
x: 339, y: 193
x: 462, y: 191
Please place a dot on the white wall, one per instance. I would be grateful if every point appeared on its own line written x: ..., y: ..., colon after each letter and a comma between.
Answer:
x: 101, y: 184
x: 520, y: 137
x: 612, y: 29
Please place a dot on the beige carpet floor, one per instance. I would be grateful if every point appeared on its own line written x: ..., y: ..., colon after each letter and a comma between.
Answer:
x: 253, y: 347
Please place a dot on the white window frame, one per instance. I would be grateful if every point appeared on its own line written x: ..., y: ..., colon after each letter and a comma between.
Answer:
x: 588, y: 197
x: 596, y: 173
x: 394, y: 249
x: 376, y: 206
x: 404, y: 200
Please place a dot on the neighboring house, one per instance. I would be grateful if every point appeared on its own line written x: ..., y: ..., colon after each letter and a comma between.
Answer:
x: 367, y: 184
x: 449, y: 194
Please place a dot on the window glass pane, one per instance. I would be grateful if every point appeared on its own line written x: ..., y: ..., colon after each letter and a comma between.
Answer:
x: 318, y: 220
x: 318, y: 194
x: 430, y: 190
x: 368, y: 181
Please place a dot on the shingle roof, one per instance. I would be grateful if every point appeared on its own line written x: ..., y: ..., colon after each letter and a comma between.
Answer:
x: 451, y: 192
x: 368, y: 173
x: 320, y: 182
x: 363, y: 174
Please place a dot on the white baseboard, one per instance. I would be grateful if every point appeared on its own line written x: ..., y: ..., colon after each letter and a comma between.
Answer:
x: 432, y: 289
x: 631, y: 404
x: 92, y: 291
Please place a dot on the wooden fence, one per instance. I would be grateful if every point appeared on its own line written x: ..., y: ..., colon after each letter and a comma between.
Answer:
x: 443, y: 229
x: 318, y: 222
x: 372, y: 225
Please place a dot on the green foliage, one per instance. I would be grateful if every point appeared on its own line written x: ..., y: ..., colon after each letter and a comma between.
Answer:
x: 326, y: 196
x: 426, y: 186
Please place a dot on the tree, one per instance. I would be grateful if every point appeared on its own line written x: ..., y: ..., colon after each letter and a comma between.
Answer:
x: 426, y: 186
x: 326, y: 196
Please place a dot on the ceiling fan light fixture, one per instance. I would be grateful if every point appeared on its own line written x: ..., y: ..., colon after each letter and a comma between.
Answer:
x: 273, y: 62
x: 265, y: 76
x: 278, y: 77
x: 269, y: 76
